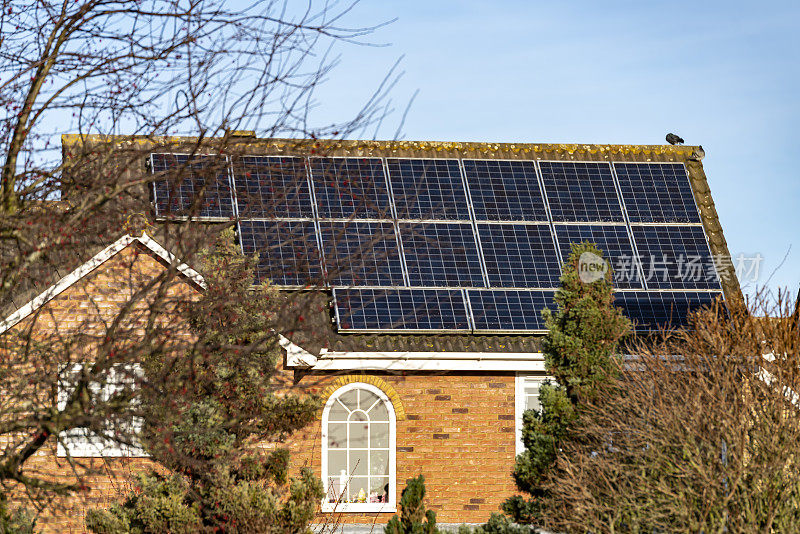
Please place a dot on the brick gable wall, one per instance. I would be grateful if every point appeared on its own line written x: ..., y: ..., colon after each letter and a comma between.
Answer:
x: 458, y: 428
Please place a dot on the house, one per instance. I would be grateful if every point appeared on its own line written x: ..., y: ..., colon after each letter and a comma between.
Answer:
x: 427, y: 265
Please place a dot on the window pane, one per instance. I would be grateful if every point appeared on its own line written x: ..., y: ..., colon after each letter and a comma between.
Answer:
x: 379, y: 463
x: 338, y: 412
x: 358, y: 463
x: 378, y: 489
x: 358, y: 485
x: 358, y: 435
x: 337, y: 463
x: 367, y: 399
x: 358, y: 416
x: 532, y: 402
x: 379, y: 435
x: 379, y: 413
x: 532, y: 394
x: 337, y: 435
x: 350, y: 399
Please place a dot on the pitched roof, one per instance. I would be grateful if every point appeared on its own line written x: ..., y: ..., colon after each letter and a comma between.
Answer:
x: 334, y: 341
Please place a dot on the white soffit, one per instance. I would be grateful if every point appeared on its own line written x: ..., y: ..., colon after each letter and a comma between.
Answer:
x: 298, y: 358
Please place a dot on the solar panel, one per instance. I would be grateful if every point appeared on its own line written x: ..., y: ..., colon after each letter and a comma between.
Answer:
x: 272, y: 187
x: 675, y: 257
x: 657, y: 192
x: 503, y: 190
x: 519, y: 255
x: 613, y: 241
x: 428, y: 189
x: 441, y: 254
x: 288, y: 251
x: 400, y: 309
x: 350, y: 188
x: 581, y: 191
x: 650, y: 310
x: 194, y: 185
x: 504, y: 310
x: 361, y: 254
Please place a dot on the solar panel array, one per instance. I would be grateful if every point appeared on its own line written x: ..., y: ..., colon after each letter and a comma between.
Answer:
x: 418, y: 245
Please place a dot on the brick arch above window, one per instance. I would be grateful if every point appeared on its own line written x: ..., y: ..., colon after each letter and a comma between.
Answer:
x: 378, y: 382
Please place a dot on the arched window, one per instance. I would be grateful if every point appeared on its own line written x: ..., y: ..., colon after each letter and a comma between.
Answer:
x: 358, y: 450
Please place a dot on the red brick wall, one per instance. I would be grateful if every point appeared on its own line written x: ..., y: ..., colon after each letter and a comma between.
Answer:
x: 458, y: 432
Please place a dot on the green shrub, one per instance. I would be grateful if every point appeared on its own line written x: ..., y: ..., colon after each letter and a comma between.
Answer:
x: 414, y: 519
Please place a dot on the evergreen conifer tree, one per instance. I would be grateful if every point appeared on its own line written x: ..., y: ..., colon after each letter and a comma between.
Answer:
x: 582, y: 339
x: 414, y: 518
x: 203, y: 425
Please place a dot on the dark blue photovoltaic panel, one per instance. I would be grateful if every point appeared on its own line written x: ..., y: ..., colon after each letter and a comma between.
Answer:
x: 519, y: 255
x: 441, y: 254
x: 652, y: 310
x: 200, y: 179
x: 613, y: 241
x: 400, y: 309
x: 361, y: 254
x: 503, y: 190
x: 657, y: 192
x: 272, y: 186
x: 287, y: 251
x: 581, y: 191
x: 350, y: 188
x: 675, y: 257
x: 428, y: 189
x: 503, y: 310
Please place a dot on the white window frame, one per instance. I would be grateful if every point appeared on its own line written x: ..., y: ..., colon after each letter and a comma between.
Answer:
x: 519, y: 402
x: 391, y: 505
x: 81, y: 442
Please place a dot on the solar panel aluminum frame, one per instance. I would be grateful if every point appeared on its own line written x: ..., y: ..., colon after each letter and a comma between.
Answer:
x: 387, y: 183
x: 476, y: 330
x: 409, y: 219
x: 520, y: 223
x: 622, y: 198
x: 468, y: 330
x: 178, y: 218
x: 393, y: 211
x: 628, y: 232
x: 474, y: 224
x: 317, y: 239
x: 540, y: 173
x: 712, y: 292
x: 628, y: 228
x: 325, y: 261
x: 309, y: 183
x: 708, y: 247
x: 539, y: 184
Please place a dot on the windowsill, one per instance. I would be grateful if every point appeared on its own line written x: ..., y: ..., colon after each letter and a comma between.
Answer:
x: 355, y: 507
x: 89, y: 450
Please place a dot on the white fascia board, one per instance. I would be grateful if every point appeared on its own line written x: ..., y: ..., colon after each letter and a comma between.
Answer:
x: 296, y: 356
x: 428, y: 355
x: 97, y: 260
x: 170, y: 258
x: 412, y: 361
x: 433, y: 364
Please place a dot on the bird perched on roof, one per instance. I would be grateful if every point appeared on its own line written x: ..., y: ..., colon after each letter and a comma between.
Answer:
x: 674, y: 139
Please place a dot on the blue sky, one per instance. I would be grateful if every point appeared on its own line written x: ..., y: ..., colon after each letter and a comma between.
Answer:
x: 722, y: 74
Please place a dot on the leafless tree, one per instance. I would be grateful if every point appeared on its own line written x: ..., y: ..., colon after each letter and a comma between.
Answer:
x: 121, y: 79
x: 700, y: 434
